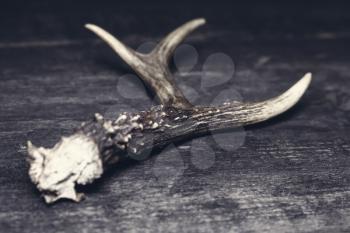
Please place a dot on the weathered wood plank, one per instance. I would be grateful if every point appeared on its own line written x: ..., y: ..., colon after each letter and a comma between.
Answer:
x: 290, y: 175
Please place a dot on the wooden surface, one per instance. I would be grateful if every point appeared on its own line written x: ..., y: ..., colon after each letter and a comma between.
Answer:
x: 290, y: 174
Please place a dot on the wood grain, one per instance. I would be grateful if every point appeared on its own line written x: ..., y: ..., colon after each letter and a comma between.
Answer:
x: 290, y: 175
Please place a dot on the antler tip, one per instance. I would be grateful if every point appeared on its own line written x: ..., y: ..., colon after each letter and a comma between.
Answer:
x: 200, y: 21
x: 293, y: 94
x: 90, y: 26
x: 304, y: 82
x: 308, y: 77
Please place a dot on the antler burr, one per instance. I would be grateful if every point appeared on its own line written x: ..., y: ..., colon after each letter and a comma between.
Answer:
x: 82, y: 157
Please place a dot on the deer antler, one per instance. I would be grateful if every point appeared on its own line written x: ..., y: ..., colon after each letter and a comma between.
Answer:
x: 82, y: 157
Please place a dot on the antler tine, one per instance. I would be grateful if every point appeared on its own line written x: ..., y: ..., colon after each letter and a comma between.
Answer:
x: 127, y: 54
x: 167, y: 46
x: 152, y: 68
x: 265, y: 110
x: 285, y: 101
x: 250, y: 113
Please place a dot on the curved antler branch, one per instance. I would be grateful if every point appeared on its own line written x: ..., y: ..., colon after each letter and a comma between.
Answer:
x: 126, y: 53
x: 261, y: 111
x: 166, y: 47
x: 153, y: 68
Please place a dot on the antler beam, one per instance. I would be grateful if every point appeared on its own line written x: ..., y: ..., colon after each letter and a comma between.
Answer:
x: 97, y: 144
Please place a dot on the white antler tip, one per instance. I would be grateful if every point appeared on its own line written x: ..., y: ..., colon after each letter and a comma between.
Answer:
x: 303, y: 83
x: 307, y: 77
x: 90, y: 26
x: 200, y: 21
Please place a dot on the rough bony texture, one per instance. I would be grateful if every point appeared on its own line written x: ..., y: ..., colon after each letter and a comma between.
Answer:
x: 97, y: 144
x: 73, y: 160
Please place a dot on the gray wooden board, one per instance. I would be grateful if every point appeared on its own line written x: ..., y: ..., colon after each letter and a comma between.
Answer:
x: 291, y: 174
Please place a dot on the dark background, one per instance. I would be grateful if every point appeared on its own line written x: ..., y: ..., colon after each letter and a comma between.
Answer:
x: 292, y: 173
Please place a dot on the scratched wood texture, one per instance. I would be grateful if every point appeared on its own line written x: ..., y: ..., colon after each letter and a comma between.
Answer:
x: 290, y: 174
